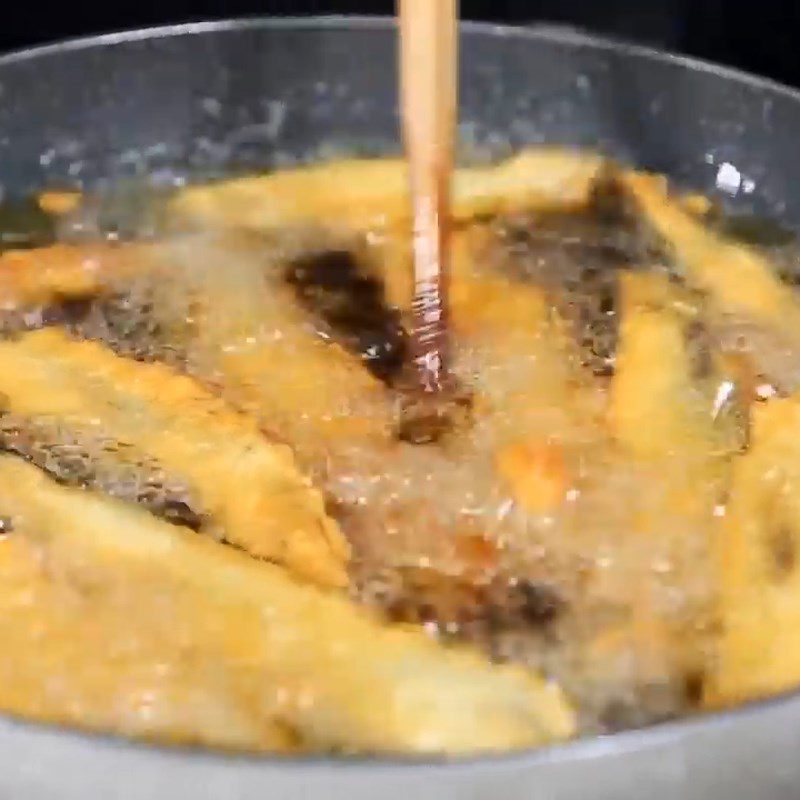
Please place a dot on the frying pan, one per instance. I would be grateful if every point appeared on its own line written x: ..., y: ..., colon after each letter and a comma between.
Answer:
x: 205, y: 99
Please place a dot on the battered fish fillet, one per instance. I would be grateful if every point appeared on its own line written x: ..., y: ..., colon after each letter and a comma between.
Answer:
x: 228, y: 318
x: 249, y: 487
x: 373, y: 194
x: 111, y: 647
x: 756, y: 553
x: 742, y: 286
x: 676, y: 411
x: 670, y: 394
x: 267, y: 355
x: 371, y: 197
x: 513, y: 348
x: 311, y: 662
x: 737, y: 279
x: 91, y: 460
x: 44, y: 275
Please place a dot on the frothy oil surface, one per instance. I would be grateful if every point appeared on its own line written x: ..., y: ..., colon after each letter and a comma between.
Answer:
x: 567, y: 519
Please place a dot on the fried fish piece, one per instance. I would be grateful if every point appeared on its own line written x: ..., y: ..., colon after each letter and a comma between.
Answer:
x: 58, y: 203
x: 371, y: 197
x: 62, y: 271
x: 536, y: 473
x: 678, y: 415
x: 372, y: 194
x: 83, y: 458
x: 269, y: 356
x: 745, y: 295
x: 327, y: 670
x: 737, y: 278
x: 756, y: 551
x: 57, y: 283
x: 249, y: 487
x: 671, y: 393
x: 113, y: 648
x: 230, y: 319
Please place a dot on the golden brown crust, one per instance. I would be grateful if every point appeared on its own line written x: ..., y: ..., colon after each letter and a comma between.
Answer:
x: 737, y: 278
x: 308, y: 660
x: 249, y: 487
x: 666, y: 399
x: 110, y: 647
x: 58, y: 203
x: 47, y: 275
x: 373, y: 194
x: 756, y: 551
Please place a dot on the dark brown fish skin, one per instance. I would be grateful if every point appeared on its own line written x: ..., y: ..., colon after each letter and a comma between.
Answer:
x: 122, y: 321
x: 108, y: 466
x: 577, y: 260
x: 351, y: 307
x: 700, y: 347
x: 463, y: 606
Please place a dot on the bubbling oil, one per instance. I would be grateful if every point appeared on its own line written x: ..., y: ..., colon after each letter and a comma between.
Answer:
x: 526, y: 529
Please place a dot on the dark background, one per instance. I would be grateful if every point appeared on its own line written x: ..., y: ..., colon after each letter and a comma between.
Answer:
x: 757, y: 36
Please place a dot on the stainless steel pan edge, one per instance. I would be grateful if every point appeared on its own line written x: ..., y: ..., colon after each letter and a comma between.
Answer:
x: 176, y: 102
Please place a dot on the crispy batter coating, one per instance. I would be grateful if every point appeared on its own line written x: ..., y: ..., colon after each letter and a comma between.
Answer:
x: 737, y: 278
x: 249, y: 486
x: 285, y: 666
x: 307, y: 660
x: 373, y: 194
x: 756, y: 554
x: 670, y: 393
x: 59, y: 203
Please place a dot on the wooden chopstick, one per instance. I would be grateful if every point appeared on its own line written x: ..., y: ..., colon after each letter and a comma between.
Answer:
x: 428, y: 66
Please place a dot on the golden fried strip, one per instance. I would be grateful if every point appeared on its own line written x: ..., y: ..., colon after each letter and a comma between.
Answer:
x: 46, y: 276
x: 329, y: 671
x: 222, y: 300
x: 511, y: 345
x: 676, y: 413
x: 738, y: 280
x: 263, y: 350
x: 109, y: 647
x: 359, y: 195
x: 58, y: 203
x: 673, y: 403
x: 373, y: 194
x: 756, y: 552
x: 250, y: 487
x: 61, y: 271
x: 746, y: 299
x: 659, y: 404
